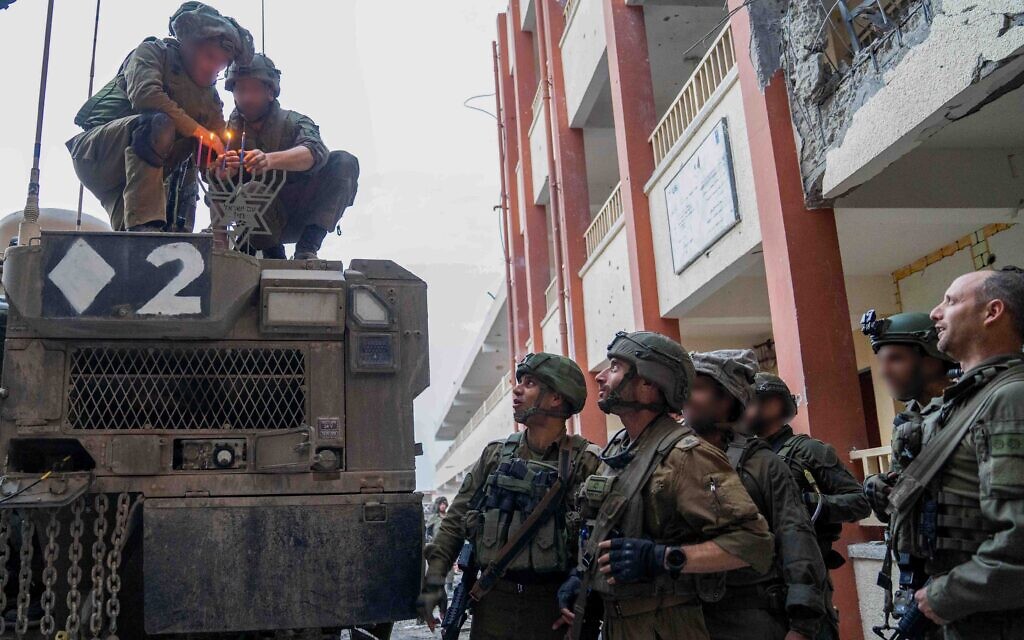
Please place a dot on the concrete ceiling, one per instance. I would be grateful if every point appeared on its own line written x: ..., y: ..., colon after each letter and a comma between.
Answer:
x: 672, y: 30
x: 997, y: 125
x: 735, y: 315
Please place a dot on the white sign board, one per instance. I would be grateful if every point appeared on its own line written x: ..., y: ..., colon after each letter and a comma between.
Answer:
x: 701, y: 199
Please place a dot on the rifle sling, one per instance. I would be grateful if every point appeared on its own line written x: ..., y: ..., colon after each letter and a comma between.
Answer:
x: 634, y: 477
x: 919, y: 473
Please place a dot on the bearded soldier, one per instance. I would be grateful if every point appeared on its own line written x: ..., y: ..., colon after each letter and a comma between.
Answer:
x: 664, y: 506
x: 959, y: 505
x: 787, y: 603
x: 830, y: 492
x: 320, y: 183
x: 916, y: 373
x: 501, y: 493
x: 146, y: 121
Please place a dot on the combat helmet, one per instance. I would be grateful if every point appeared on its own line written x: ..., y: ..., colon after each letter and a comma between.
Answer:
x: 195, y: 21
x: 767, y: 385
x: 261, y: 68
x: 656, y: 358
x: 557, y: 373
x: 903, y: 328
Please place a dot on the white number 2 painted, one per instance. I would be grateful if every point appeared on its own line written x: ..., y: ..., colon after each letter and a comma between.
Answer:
x: 167, y: 301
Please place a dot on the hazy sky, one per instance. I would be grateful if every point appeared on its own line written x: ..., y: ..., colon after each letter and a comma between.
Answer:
x: 384, y: 80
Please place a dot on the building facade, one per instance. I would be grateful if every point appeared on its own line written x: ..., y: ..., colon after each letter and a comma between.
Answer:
x: 754, y: 176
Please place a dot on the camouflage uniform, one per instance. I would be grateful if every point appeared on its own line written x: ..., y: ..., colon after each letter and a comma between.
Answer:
x: 312, y: 201
x: 523, y: 603
x: 151, y: 80
x: 968, y: 521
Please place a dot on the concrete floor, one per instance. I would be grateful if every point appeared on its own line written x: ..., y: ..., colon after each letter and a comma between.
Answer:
x: 409, y: 630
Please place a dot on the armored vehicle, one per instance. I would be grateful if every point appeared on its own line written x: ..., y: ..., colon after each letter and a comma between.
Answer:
x: 199, y: 442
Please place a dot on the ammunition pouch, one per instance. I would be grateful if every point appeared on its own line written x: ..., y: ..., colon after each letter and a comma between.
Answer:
x: 593, y: 493
x: 907, y: 438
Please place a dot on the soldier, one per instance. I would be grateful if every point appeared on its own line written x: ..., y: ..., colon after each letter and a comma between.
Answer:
x: 831, y: 493
x: 664, y: 506
x: 146, y: 121
x: 320, y: 183
x: 502, y: 489
x: 916, y: 373
x: 787, y: 603
x: 960, y: 504
x: 440, y: 508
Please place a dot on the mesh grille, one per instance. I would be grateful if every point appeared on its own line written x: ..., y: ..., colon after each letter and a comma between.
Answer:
x: 128, y: 388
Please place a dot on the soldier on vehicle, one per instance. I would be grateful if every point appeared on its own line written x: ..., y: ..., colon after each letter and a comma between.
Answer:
x: 787, y: 603
x: 830, y: 492
x: 664, y: 505
x: 960, y: 504
x: 320, y: 183
x: 916, y: 373
x: 505, y: 486
x: 146, y: 121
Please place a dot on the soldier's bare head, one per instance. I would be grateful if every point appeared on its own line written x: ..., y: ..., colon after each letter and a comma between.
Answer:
x: 205, y: 60
x: 982, y: 316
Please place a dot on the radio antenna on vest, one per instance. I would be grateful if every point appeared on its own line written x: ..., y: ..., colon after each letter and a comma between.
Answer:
x: 92, y: 74
x: 263, y: 26
x: 29, y: 226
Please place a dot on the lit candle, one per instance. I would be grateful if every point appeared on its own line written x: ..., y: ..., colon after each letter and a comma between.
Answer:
x: 209, y: 151
x: 224, y: 160
x: 241, y: 151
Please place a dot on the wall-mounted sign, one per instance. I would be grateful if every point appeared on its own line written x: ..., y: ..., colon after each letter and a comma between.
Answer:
x: 701, y: 199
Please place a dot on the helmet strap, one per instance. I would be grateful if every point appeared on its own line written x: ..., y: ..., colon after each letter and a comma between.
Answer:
x: 537, y: 410
x: 616, y: 400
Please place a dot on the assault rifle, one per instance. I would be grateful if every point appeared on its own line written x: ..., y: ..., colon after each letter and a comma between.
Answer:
x: 458, y: 608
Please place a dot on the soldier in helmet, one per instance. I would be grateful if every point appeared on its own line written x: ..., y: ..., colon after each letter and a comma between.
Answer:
x: 916, y: 373
x: 830, y: 492
x: 959, y: 505
x: 788, y: 602
x: 146, y: 121
x: 320, y: 183
x: 502, y: 489
x: 664, y: 506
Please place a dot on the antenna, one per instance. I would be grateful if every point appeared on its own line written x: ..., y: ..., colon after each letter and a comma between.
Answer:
x: 263, y: 26
x: 92, y: 74
x: 29, y: 227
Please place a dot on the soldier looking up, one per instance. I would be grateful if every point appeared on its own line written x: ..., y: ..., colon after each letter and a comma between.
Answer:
x: 831, y: 493
x: 960, y: 504
x: 916, y: 373
x: 787, y: 603
x: 500, y: 492
x: 664, y: 506
x: 320, y: 183
x: 146, y: 121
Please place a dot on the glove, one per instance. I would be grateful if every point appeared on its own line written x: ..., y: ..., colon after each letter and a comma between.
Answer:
x: 569, y: 590
x: 877, y: 489
x: 636, y: 559
x: 431, y: 596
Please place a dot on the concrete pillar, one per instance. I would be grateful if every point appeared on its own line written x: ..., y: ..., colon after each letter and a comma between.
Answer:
x: 570, y: 193
x: 806, y: 289
x: 629, y: 70
x: 515, y: 253
x: 535, y: 232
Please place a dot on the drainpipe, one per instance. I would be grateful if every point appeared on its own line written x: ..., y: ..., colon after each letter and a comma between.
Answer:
x: 506, y: 248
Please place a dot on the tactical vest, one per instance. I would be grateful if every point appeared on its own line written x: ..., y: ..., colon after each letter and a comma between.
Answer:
x: 278, y: 132
x: 947, y: 525
x: 509, y: 495
x: 910, y: 430
x: 605, y: 486
x: 826, y: 532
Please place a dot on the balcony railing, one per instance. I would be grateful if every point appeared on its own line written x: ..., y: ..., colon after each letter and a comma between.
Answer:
x: 567, y: 10
x: 610, y: 212
x: 876, y: 460
x: 538, y: 101
x: 706, y: 78
x: 551, y: 296
x: 492, y: 400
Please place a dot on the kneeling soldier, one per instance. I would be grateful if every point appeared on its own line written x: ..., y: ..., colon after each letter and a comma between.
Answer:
x: 509, y: 482
x: 789, y: 601
x: 664, y: 505
x: 320, y: 183
x: 146, y: 121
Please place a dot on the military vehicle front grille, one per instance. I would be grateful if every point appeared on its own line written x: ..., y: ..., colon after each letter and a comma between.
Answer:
x: 128, y: 388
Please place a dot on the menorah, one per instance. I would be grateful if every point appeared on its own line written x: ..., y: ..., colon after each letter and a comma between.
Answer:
x: 238, y: 205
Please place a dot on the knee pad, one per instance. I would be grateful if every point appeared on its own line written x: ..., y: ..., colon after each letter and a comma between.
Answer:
x: 153, y: 138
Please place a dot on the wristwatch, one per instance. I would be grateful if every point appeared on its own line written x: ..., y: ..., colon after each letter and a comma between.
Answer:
x: 675, y: 560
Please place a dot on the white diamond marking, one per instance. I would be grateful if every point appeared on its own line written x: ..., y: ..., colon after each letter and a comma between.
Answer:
x: 81, y: 275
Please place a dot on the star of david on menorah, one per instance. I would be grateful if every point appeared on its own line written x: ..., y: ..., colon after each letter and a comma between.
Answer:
x: 238, y: 203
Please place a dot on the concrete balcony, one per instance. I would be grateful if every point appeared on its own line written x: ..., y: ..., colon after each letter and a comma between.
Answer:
x: 550, y: 325
x: 539, y: 149
x: 492, y: 420
x: 606, y: 285
x: 528, y: 15
x: 584, y: 57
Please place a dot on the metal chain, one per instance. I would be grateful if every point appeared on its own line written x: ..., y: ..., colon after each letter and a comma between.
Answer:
x: 117, y: 542
x: 5, y: 554
x: 50, y: 553
x: 99, y: 552
x: 28, y: 532
x: 74, y: 599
